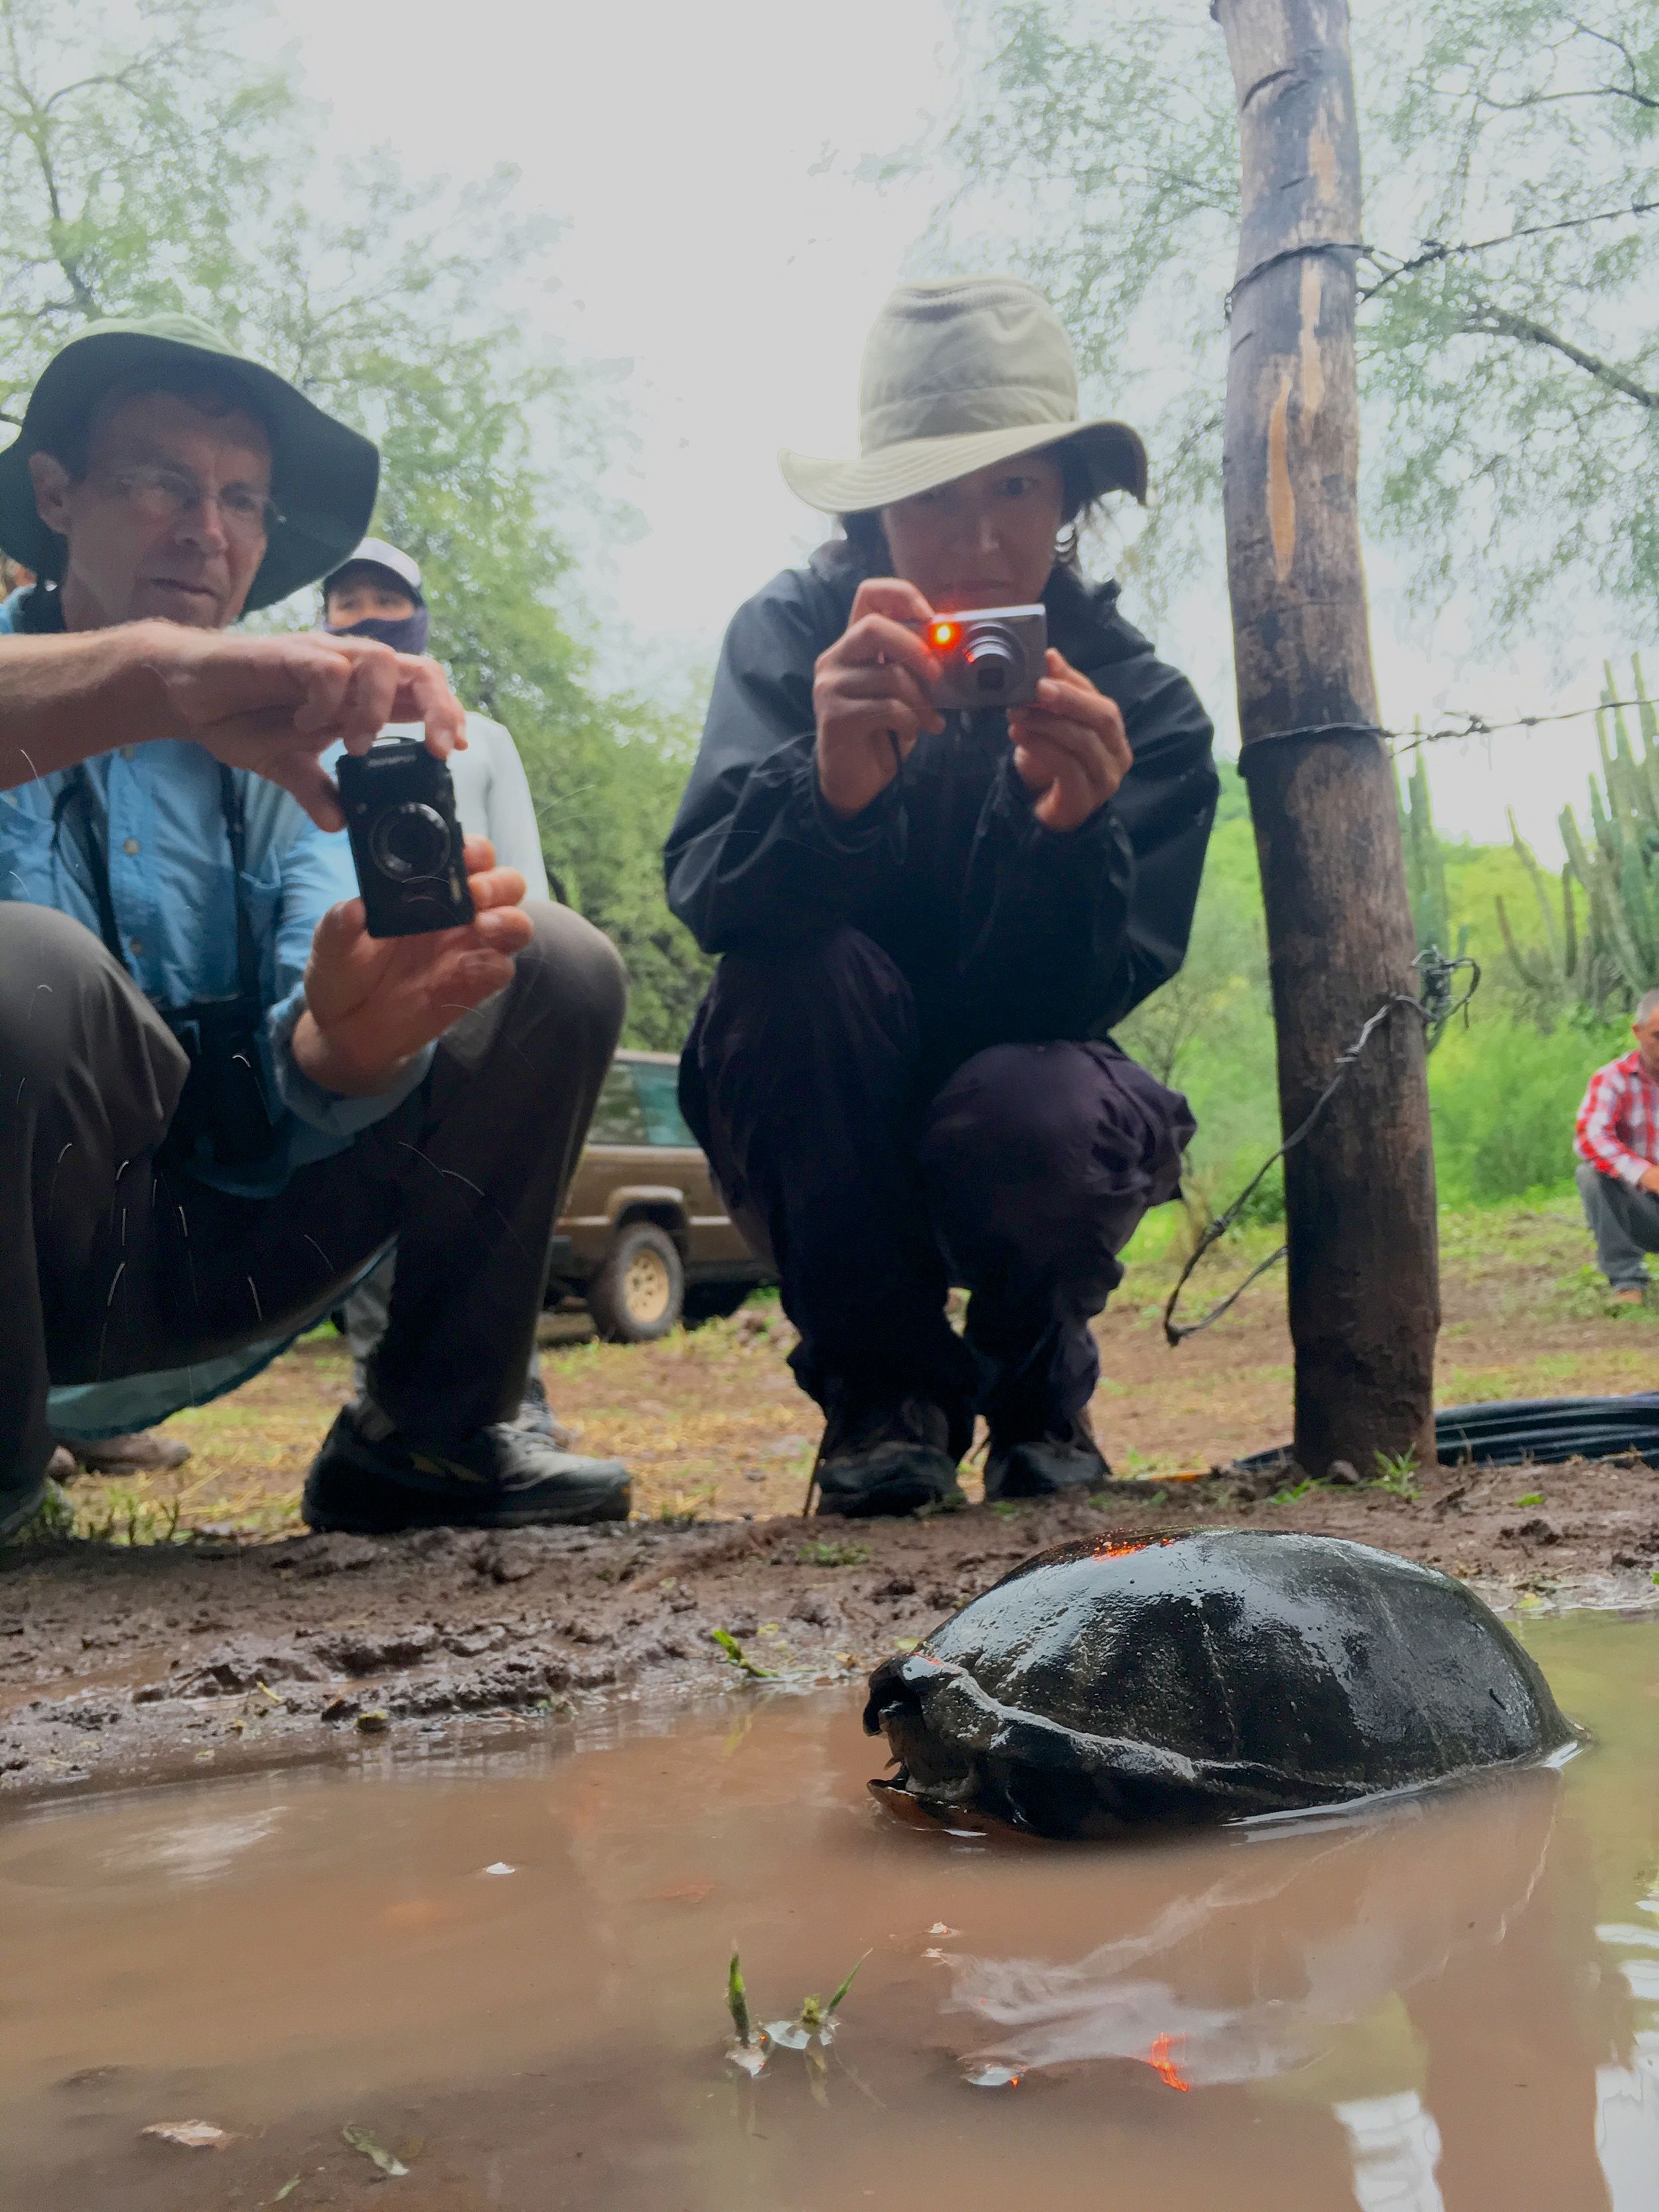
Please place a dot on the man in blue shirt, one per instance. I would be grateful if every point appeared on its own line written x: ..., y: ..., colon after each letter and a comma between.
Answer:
x: 221, y: 1100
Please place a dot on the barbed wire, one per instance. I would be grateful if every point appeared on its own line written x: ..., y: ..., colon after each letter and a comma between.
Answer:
x: 1468, y: 724
x: 1435, y: 1006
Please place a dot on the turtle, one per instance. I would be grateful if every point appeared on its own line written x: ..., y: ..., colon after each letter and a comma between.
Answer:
x: 1127, y: 1681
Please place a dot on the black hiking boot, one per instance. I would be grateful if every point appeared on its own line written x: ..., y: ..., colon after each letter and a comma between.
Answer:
x: 501, y: 1478
x: 886, y: 1458
x: 1066, y: 1458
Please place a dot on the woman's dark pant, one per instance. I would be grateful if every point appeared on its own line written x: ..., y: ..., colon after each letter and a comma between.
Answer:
x: 874, y: 1186
x: 112, y: 1265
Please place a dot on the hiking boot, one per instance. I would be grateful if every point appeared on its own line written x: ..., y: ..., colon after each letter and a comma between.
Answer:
x: 882, y: 1459
x: 500, y: 1478
x: 143, y: 1452
x: 535, y: 1414
x: 1065, y: 1458
x: 18, y: 1507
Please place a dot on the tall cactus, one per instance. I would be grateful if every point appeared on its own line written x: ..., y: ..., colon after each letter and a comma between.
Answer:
x: 1569, y: 972
x: 1616, y: 864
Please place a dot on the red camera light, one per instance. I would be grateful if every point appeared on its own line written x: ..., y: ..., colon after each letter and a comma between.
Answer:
x: 943, y: 633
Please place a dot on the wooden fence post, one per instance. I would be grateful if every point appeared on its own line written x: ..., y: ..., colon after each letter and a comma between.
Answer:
x: 1363, y: 1287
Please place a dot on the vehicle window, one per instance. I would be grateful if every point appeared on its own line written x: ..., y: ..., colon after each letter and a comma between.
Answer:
x: 659, y: 1090
x: 616, y: 1118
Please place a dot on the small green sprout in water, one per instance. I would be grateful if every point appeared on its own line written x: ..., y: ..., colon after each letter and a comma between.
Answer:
x: 1532, y: 1498
x: 740, y: 1658
x: 377, y: 2153
x: 737, y: 2001
x: 747, y: 2048
x: 1397, y: 1473
x: 815, y: 2022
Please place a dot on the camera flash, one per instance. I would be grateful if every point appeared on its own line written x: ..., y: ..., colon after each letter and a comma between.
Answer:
x: 943, y: 633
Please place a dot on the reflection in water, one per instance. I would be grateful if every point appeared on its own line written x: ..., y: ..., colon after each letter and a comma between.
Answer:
x: 1627, y: 2128
x: 1250, y: 1973
x: 1395, y: 2147
x: 1254, y: 1972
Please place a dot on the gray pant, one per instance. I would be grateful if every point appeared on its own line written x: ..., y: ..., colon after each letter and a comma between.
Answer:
x: 113, y: 1264
x: 1625, y: 1222
x: 366, y: 1313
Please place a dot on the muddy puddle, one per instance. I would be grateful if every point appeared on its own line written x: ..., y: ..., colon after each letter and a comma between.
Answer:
x: 506, y: 1976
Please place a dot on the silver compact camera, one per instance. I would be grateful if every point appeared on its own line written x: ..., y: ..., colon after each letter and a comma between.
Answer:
x: 986, y: 656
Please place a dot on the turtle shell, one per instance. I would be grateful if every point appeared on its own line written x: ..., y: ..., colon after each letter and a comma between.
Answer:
x: 1127, y: 1681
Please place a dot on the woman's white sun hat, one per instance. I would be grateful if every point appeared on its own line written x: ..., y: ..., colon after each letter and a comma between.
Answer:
x: 960, y: 372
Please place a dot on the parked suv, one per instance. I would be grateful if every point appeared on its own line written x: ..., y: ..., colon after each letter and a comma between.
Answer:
x: 645, y: 1240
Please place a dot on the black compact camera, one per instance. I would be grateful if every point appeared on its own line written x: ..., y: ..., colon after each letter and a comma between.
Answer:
x: 986, y: 656
x: 405, y: 839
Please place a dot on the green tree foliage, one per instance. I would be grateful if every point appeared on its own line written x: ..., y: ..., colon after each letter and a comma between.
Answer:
x: 1508, y: 335
x: 151, y: 168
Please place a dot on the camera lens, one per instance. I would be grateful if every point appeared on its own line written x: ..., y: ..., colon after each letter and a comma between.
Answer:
x: 411, y: 840
x: 991, y: 656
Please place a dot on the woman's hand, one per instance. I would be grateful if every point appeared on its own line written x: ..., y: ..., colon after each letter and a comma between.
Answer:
x: 870, y: 695
x: 372, y: 1002
x: 1069, y: 746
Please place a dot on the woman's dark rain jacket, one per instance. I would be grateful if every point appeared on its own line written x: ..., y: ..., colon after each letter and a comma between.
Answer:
x: 1007, y: 931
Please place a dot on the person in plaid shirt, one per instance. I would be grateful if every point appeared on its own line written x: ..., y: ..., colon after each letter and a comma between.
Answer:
x: 1618, y: 1141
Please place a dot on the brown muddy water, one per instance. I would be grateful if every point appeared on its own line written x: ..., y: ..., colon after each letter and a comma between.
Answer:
x: 506, y: 1975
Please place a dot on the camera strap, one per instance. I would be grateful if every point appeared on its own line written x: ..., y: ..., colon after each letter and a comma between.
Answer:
x: 77, y: 806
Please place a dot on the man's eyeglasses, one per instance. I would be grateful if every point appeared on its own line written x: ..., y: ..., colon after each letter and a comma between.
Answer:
x: 161, y: 494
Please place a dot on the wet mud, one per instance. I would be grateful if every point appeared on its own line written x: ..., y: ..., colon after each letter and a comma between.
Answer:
x: 505, y: 1974
x: 120, y: 1662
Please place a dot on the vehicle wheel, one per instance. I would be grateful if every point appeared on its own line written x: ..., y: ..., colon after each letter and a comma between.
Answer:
x: 639, y: 1292
x: 714, y: 1300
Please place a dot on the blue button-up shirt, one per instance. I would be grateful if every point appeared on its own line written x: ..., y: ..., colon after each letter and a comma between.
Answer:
x: 173, y: 894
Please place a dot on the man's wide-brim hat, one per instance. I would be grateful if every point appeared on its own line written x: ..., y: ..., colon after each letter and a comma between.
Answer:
x: 960, y: 374
x: 324, y: 476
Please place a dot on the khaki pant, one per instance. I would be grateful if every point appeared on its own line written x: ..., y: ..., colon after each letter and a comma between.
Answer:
x: 112, y: 1265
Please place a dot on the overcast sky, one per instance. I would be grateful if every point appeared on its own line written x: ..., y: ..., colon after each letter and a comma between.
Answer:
x: 720, y: 244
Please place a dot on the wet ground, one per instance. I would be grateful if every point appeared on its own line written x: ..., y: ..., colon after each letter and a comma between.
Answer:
x: 243, y: 1641
x: 505, y: 1974
x: 118, y: 1661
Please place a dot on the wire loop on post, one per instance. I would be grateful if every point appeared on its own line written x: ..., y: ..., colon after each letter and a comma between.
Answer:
x: 1434, y: 1008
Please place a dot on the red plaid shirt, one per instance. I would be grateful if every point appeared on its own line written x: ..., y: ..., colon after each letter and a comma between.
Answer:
x: 1618, y: 1122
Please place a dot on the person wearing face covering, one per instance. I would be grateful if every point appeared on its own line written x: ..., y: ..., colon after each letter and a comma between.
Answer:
x: 377, y: 594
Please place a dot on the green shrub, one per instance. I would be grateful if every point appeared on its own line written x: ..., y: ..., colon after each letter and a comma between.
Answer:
x: 1503, y: 1098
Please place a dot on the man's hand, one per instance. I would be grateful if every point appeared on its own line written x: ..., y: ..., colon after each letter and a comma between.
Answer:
x: 274, y: 704
x: 1069, y: 746
x: 871, y: 698
x: 1649, y: 1179
x: 372, y: 1002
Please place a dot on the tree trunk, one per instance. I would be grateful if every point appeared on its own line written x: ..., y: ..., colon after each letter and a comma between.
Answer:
x: 1364, y: 1302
